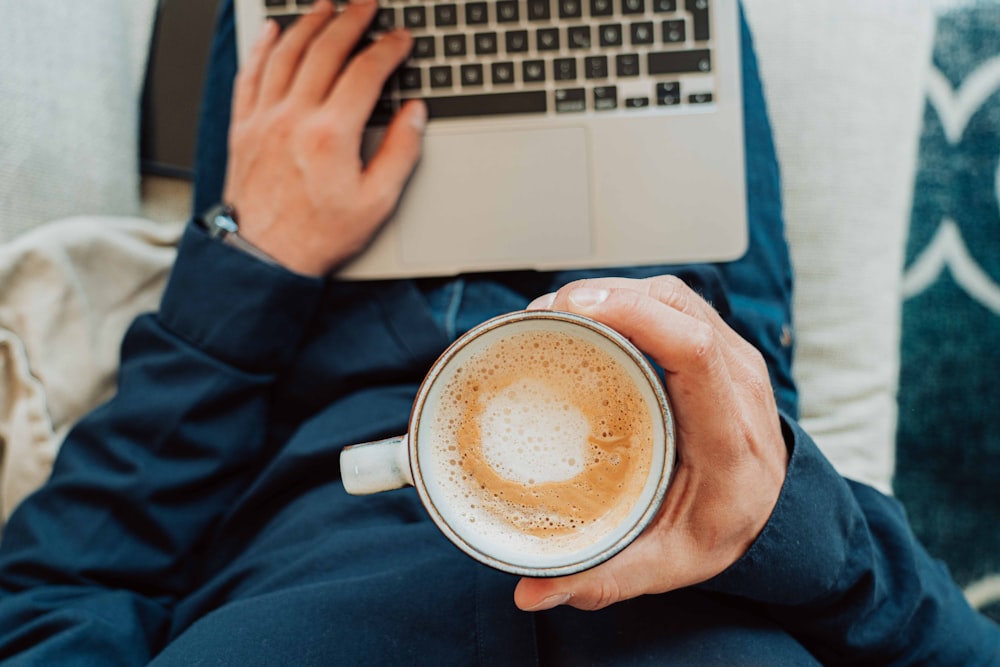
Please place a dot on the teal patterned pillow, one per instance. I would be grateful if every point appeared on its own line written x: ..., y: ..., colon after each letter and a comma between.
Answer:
x: 948, y: 443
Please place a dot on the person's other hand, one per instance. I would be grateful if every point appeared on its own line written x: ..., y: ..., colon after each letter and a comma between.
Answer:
x: 732, y: 457
x: 300, y: 107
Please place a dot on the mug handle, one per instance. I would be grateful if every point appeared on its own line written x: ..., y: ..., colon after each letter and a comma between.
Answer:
x: 373, y: 467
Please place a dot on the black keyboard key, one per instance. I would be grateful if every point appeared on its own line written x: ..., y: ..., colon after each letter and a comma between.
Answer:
x: 677, y: 62
x: 275, y: 3
x: 627, y: 64
x: 487, y: 104
x: 516, y: 41
x: 610, y: 34
x: 410, y: 78
x: 668, y: 94
x: 503, y: 73
x: 601, y: 8
x: 485, y: 43
x: 699, y: 13
x: 423, y: 47
x: 564, y: 69
x: 595, y: 67
x: 664, y: 6
x: 441, y: 76
x: 533, y: 71
x: 571, y: 100
x: 674, y: 32
x: 633, y: 6
x: 385, y: 19
x: 636, y: 102
x: 472, y: 75
x: 454, y: 45
x: 700, y: 98
x: 445, y: 15
x: 476, y: 13
x: 578, y: 37
x: 539, y: 10
x: 285, y: 20
x: 570, y: 9
x: 415, y: 16
x: 547, y: 39
x: 391, y: 85
x: 508, y: 11
x: 605, y: 98
x: 642, y: 33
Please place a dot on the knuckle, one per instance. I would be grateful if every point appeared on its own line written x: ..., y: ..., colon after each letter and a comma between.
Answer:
x: 669, y: 284
x: 607, y: 593
x: 759, y: 381
x: 703, y: 343
x: 320, y: 137
x: 755, y: 358
x: 672, y: 291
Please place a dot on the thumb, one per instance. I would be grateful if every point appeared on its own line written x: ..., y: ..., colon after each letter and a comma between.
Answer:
x: 579, y: 590
x: 397, y: 156
x: 621, y: 578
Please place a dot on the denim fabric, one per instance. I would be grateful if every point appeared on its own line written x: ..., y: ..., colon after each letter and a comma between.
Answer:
x: 753, y: 294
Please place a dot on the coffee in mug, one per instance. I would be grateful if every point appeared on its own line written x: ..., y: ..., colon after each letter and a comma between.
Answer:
x: 540, y: 443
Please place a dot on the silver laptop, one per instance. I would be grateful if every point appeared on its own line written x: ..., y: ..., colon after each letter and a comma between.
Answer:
x: 562, y: 134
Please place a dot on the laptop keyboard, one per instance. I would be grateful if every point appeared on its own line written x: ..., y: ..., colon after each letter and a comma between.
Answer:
x: 554, y: 57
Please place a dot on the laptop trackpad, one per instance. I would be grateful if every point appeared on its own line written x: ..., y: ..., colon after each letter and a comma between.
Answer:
x: 507, y: 199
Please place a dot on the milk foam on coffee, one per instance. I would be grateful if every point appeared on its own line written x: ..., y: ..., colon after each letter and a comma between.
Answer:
x: 542, y: 441
x: 530, y: 434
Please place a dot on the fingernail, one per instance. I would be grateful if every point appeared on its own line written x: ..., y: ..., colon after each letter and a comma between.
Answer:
x: 588, y: 297
x: 551, y: 601
x: 270, y: 27
x: 322, y: 7
x: 543, y: 302
x: 418, y: 116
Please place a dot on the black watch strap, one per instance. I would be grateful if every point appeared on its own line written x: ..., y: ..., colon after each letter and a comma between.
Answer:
x: 221, y: 223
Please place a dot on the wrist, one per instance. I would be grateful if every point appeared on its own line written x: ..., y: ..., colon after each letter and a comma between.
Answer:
x: 222, y: 223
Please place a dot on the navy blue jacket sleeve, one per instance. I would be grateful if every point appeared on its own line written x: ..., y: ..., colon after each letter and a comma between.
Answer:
x: 839, y: 568
x: 91, y: 564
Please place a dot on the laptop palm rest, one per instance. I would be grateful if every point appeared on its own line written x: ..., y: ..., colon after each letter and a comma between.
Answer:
x: 504, y: 199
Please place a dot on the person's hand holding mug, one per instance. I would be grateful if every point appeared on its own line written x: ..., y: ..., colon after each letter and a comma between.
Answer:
x: 300, y: 107
x: 732, y: 457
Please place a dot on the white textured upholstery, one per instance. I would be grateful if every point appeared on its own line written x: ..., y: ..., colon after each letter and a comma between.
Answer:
x: 69, y: 116
x: 844, y: 81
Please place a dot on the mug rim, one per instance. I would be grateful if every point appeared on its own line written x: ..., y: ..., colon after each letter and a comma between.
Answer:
x: 664, y: 474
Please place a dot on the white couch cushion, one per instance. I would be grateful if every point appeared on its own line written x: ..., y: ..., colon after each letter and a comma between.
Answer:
x: 844, y: 81
x: 69, y: 120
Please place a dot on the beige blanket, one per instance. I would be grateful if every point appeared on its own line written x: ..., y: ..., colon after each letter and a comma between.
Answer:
x: 68, y: 291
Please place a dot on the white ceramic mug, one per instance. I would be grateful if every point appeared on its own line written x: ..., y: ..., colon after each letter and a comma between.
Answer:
x: 541, y: 443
